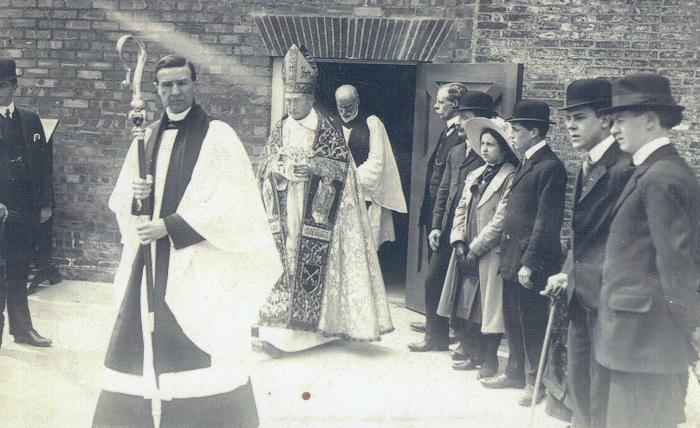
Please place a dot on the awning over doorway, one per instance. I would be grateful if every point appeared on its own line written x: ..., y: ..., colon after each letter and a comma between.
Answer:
x: 375, y: 39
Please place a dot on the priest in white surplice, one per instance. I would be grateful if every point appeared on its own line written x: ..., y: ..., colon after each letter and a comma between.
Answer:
x: 332, y: 286
x: 376, y: 166
x: 183, y: 363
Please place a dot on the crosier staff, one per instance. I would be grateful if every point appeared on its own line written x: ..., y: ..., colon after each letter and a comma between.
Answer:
x: 143, y: 210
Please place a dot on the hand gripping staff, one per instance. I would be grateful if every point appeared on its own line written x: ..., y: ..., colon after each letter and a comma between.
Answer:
x: 137, y: 114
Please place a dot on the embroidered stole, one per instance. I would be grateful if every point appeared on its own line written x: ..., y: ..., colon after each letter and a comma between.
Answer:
x: 296, y: 301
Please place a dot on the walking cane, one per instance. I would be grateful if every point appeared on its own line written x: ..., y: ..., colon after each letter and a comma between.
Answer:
x: 543, y: 357
x: 137, y: 114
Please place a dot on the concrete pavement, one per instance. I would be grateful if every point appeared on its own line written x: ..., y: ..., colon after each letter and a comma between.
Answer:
x: 348, y: 384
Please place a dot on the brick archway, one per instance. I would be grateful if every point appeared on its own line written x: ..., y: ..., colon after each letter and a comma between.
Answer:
x: 369, y: 39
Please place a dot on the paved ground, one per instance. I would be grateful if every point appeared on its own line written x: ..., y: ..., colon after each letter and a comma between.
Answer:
x: 350, y: 384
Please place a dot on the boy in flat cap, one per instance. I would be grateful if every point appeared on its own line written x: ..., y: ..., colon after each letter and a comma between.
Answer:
x: 649, y: 306
x: 28, y: 197
x: 530, y: 246
x: 600, y: 180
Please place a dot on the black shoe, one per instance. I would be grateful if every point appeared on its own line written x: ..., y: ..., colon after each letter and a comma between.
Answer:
x: 54, y: 276
x: 459, y: 354
x: 468, y: 364
x: 418, y: 327
x: 486, y: 372
x: 428, y: 345
x: 32, y: 338
x: 529, y: 394
x: 501, y: 381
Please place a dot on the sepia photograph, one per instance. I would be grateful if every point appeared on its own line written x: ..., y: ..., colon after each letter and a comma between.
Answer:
x: 349, y: 213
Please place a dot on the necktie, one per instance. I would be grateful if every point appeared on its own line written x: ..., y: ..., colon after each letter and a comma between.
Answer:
x: 587, y: 165
x: 522, y: 164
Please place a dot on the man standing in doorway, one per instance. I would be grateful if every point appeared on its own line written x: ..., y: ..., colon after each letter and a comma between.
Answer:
x: 456, y: 164
x: 600, y: 180
x: 377, y: 172
x: 178, y: 352
x: 530, y: 246
x: 649, y: 307
x: 26, y: 156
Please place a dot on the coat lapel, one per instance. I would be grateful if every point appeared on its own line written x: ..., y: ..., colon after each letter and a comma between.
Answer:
x: 28, y: 137
x: 640, y: 170
x: 471, y: 157
x: 527, y: 163
x: 496, y: 183
x: 599, y: 170
x: 593, y: 177
x: 629, y: 187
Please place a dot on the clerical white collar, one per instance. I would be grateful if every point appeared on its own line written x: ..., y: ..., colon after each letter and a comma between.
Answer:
x: 5, y: 109
x: 351, y: 119
x: 175, y: 117
x: 597, y: 152
x: 309, y: 122
x: 534, y: 149
x: 646, y: 150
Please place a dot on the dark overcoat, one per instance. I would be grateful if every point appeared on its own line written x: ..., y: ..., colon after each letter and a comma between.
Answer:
x: 534, y: 217
x: 448, y: 138
x: 649, y: 300
x: 38, y: 160
x: 595, y: 198
x: 458, y: 165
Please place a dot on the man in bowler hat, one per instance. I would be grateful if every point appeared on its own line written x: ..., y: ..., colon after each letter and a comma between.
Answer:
x: 530, y: 246
x: 599, y: 182
x: 649, y: 306
x: 28, y: 197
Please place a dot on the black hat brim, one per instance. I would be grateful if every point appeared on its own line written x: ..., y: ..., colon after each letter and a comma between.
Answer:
x: 17, y: 74
x: 593, y: 104
x: 482, y: 109
x: 650, y: 106
x: 529, y: 119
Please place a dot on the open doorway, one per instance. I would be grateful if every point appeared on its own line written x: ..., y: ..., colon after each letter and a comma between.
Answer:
x: 386, y: 91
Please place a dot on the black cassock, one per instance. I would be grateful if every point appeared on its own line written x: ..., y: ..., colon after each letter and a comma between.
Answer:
x: 173, y: 351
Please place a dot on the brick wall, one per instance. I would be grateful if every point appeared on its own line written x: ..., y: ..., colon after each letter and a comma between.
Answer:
x: 563, y: 40
x: 66, y: 49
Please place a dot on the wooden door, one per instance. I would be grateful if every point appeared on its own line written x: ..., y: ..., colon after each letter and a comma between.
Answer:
x: 504, y: 83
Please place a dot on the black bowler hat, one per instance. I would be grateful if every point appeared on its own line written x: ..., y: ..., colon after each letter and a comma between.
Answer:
x: 531, y: 111
x: 640, y: 91
x: 594, y: 93
x: 475, y: 100
x: 8, y: 69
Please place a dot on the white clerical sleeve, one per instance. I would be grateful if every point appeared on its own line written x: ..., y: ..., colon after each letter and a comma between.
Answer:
x: 379, y: 175
x: 370, y: 172
x: 222, y: 202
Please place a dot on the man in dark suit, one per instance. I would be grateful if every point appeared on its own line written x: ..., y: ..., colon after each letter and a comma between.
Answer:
x: 649, y: 304
x: 600, y: 180
x: 530, y: 246
x: 459, y: 162
x: 445, y: 106
x: 29, y: 198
